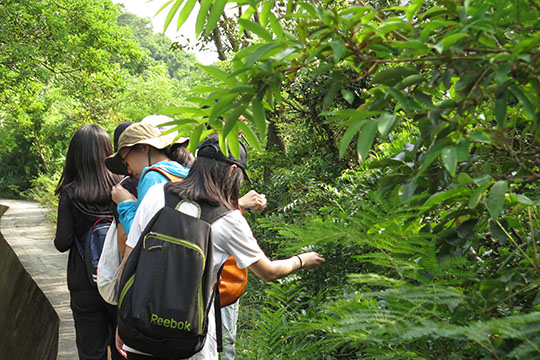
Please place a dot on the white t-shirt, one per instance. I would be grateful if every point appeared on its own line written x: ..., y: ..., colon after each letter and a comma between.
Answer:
x: 231, y: 236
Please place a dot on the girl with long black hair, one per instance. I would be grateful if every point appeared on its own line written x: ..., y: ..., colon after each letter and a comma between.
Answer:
x: 85, y: 196
x: 215, y: 179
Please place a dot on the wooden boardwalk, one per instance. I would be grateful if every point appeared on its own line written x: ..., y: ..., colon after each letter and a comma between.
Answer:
x: 30, y: 234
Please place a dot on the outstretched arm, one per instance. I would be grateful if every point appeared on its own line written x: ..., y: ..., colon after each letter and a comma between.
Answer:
x: 269, y: 270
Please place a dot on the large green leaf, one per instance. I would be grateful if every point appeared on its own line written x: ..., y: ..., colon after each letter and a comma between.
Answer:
x: 265, y: 11
x: 232, y: 119
x: 449, y: 40
x: 413, y: 8
x: 496, y: 198
x: 232, y: 140
x: 406, y: 104
x: 256, y: 29
x: 184, y: 14
x: 443, y: 196
x: 218, y: 74
x: 500, y: 110
x: 201, y: 16
x: 449, y: 158
x: 195, y: 138
x: 222, y: 106
x: 524, y: 100
x: 386, y: 123
x: 216, y: 11
x: 478, y: 193
x: 338, y: 48
x: 393, y: 75
x: 171, y: 13
x: 260, y: 52
x: 349, y: 134
x: 276, y: 26
x: 259, y: 116
x: 251, y: 137
x: 365, y: 139
x: 497, y: 232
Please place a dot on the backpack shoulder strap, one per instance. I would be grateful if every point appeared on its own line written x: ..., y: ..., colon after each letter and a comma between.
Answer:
x: 209, y: 212
x: 168, y: 175
x: 171, y: 198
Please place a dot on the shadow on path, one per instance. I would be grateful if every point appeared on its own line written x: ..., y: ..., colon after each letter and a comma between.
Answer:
x: 30, y: 234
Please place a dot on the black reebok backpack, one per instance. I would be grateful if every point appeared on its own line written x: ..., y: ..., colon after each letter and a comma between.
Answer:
x: 166, y: 285
x: 92, y: 247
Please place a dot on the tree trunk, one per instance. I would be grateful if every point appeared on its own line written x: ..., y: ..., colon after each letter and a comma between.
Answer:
x: 273, y: 143
x: 219, y: 44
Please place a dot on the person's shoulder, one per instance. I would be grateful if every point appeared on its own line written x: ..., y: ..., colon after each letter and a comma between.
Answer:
x: 66, y: 193
x: 233, y: 219
x: 155, y: 190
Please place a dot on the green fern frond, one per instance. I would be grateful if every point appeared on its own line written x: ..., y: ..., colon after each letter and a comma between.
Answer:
x: 529, y: 349
x: 376, y: 280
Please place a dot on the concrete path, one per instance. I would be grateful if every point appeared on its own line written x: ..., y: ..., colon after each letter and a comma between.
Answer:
x: 30, y: 234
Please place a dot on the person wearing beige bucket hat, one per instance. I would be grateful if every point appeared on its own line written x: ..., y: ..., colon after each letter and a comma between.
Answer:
x: 144, y: 152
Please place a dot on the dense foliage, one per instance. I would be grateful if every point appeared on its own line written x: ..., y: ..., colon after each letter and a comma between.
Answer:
x: 398, y: 140
x: 407, y: 139
x: 67, y: 63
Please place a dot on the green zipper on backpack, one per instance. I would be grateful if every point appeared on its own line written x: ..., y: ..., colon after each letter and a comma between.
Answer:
x: 176, y: 241
x: 128, y: 285
x: 192, y: 246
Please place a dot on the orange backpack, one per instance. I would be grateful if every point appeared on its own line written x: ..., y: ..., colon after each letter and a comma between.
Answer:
x: 233, y: 280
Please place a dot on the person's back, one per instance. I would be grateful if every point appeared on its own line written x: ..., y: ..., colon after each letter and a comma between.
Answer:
x: 85, y: 197
x: 215, y: 178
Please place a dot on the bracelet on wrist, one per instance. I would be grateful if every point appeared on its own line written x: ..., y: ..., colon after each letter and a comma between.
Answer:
x: 301, y: 263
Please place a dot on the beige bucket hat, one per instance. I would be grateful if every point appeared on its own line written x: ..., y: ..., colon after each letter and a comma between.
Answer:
x: 138, y: 133
x: 159, y: 121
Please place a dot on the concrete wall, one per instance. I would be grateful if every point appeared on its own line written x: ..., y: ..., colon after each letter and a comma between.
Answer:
x: 28, y: 322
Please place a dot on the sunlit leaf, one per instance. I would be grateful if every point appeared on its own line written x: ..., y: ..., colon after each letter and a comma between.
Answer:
x: 232, y: 140
x: 348, y: 95
x: 201, y: 16
x: 338, y: 49
x: 524, y: 100
x: 449, y: 158
x: 250, y: 135
x: 215, y: 13
x: 171, y: 13
x: 365, y: 139
x: 496, y: 198
x: 259, y: 115
x: 184, y: 14
x: 256, y: 29
x: 478, y: 193
x: 195, y: 138
x: 265, y: 11
x: 449, y: 40
x: 412, y: 8
x: 349, y: 135
x: 386, y: 123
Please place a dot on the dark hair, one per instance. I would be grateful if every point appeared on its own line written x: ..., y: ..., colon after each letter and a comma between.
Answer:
x: 209, y: 180
x: 85, y: 169
x: 118, y: 131
x: 180, y: 154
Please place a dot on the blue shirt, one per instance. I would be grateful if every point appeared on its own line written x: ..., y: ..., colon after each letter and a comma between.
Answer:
x: 127, y: 209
